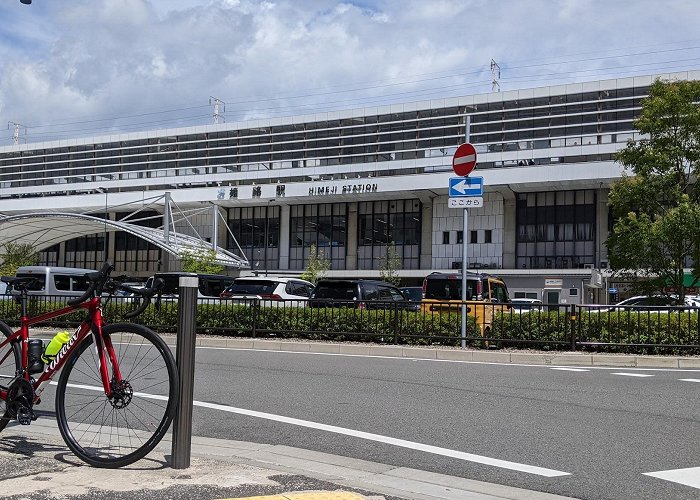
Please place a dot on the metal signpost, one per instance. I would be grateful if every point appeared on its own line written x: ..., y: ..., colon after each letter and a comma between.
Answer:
x: 465, y: 192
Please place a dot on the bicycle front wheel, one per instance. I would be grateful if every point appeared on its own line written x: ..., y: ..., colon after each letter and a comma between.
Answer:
x: 117, y: 431
x: 10, y: 366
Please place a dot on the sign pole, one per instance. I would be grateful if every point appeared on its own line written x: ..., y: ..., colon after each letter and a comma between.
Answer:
x: 465, y: 239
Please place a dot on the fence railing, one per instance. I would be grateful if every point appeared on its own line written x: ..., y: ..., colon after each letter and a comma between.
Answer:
x: 649, y: 330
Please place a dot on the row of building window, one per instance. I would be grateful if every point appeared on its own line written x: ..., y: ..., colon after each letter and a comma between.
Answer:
x: 487, y: 237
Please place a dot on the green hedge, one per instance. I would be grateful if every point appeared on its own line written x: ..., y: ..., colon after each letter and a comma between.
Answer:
x: 545, y: 330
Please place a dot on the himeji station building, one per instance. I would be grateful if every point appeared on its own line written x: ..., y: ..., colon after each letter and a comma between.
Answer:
x: 353, y: 182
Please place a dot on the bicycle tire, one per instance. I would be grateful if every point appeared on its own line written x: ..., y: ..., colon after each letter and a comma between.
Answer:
x: 90, y: 422
x: 11, y: 362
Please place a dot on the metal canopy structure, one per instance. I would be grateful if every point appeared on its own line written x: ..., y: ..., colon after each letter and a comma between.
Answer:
x: 42, y: 230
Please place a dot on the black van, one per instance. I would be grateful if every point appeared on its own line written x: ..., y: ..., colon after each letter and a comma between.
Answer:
x: 210, y: 285
x: 357, y: 293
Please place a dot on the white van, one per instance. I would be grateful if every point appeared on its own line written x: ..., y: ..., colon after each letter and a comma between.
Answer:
x: 53, y: 280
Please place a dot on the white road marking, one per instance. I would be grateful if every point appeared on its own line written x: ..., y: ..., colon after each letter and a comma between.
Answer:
x: 569, y: 369
x: 469, y: 457
x: 632, y: 374
x: 688, y: 477
x: 689, y: 379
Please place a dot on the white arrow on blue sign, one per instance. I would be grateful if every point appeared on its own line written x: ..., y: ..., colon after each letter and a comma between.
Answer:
x: 466, y: 186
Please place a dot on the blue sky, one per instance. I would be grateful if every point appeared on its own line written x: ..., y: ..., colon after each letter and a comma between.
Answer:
x: 73, y: 68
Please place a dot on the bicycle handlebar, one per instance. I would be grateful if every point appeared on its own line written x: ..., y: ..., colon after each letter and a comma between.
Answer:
x: 146, y: 293
x: 99, y: 279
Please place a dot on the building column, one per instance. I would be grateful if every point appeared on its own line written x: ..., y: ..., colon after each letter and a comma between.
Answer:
x: 601, y: 230
x: 285, y: 212
x: 351, y: 240
x: 510, y: 230
x: 426, y: 234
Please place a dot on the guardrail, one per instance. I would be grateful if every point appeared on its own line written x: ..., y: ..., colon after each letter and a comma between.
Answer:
x: 645, y: 330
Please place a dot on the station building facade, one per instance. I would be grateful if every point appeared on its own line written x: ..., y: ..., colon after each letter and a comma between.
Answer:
x: 354, y: 183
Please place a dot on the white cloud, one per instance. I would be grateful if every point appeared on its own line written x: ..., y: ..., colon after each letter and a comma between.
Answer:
x: 88, y: 60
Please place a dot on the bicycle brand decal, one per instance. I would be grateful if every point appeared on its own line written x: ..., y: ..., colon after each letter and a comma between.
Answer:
x: 63, y: 351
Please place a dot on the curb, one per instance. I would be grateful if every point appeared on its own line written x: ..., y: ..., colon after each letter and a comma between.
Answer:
x: 481, y: 356
x: 438, y: 353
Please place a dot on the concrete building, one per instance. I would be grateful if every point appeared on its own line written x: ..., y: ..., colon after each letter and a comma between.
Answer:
x: 353, y: 182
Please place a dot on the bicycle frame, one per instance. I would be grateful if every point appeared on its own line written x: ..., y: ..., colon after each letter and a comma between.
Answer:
x: 93, y: 324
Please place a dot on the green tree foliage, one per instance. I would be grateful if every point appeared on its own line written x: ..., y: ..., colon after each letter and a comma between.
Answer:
x: 200, y: 261
x: 14, y: 255
x: 390, y: 266
x: 317, y: 266
x: 656, y: 204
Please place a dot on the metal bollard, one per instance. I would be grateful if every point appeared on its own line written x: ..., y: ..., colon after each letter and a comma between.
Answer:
x: 184, y: 355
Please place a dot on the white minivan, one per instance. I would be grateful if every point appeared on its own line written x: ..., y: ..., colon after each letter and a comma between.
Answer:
x: 55, y: 280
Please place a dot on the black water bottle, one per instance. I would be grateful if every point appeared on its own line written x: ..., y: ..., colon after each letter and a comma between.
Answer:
x: 35, y: 351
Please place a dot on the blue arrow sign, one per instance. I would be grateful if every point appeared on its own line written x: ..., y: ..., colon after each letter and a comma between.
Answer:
x: 466, y: 186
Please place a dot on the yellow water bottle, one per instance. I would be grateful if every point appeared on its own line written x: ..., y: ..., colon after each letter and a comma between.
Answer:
x: 54, y: 346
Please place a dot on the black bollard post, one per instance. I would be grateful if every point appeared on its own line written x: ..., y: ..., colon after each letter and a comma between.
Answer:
x: 184, y: 355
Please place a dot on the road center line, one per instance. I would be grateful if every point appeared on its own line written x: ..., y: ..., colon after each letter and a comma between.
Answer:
x: 561, y: 368
x: 469, y: 457
x: 632, y: 374
x: 688, y: 477
x: 689, y: 379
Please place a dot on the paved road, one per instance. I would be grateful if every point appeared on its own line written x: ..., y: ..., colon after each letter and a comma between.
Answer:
x: 584, y: 432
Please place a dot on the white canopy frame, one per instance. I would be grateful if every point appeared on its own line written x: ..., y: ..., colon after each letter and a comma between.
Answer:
x: 44, y: 229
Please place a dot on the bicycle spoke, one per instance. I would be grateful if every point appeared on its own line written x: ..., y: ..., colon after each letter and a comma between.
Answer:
x: 118, y: 430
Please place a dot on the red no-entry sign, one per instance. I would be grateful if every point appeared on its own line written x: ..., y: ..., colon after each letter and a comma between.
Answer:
x: 464, y: 160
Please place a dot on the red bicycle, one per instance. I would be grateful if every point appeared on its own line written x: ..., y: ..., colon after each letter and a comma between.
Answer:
x: 114, y: 402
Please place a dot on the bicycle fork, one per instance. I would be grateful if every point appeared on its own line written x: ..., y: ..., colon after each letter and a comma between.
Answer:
x: 118, y: 391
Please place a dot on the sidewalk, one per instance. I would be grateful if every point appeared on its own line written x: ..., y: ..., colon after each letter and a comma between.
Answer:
x: 36, y: 464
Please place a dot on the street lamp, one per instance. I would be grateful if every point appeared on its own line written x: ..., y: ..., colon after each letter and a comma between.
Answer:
x: 26, y: 2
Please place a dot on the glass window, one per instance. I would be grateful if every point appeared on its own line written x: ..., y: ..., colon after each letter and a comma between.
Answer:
x: 473, y: 237
x: 61, y: 282
x: 445, y: 237
x: 558, y: 232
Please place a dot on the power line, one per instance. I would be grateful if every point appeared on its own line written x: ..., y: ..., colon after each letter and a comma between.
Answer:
x: 291, y: 108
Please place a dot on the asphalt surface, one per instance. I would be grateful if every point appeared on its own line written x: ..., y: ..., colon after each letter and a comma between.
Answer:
x: 596, y: 430
x: 604, y: 427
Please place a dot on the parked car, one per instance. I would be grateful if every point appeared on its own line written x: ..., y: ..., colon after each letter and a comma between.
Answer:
x: 486, y: 295
x: 209, y: 286
x: 413, y: 294
x: 524, y: 305
x: 55, y: 280
x: 285, y: 291
x: 358, y: 293
x: 651, y: 303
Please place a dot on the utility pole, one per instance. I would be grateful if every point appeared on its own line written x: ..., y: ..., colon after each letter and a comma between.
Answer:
x: 15, y: 135
x: 218, y: 103
x: 495, y: 76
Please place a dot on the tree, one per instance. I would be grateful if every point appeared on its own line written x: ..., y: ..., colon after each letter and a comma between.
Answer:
x: 656, y: 207
x: 316, y: 266
x: 390, y: 266
x: 15, y: 255
x: 200, y: 261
